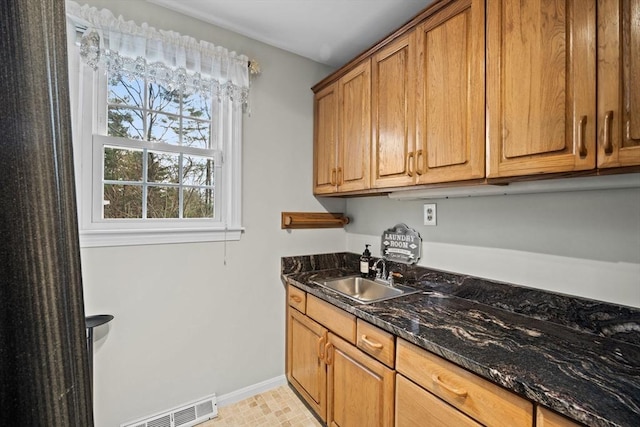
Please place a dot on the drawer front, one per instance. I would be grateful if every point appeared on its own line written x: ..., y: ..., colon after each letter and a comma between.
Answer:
x: 548, y: 418
x: 416, y: 407
x: 297, y: 298
x: 338, y: 321
x: 482, y: 400
x: 376, y: 342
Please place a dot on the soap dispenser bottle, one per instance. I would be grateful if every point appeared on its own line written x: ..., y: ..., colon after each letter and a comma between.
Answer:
x: 365, y: 260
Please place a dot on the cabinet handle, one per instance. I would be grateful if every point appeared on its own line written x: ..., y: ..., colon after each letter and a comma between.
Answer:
x: 321, y: 341
x: 296, y: 299
x: 328, y: 353
x: 460, y: 392
x: 608, y: 143
x: 409, y: 163
x: 582, y: 129
x: 340, y: 177
x: 333, y: 177
x: 370, y: 343
x: 419, y: 164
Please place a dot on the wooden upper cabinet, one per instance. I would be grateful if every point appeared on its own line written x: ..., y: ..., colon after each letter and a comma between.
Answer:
x: 618, y: 83
x: 393, y: 101
x: 450, y: 94
x: 354, y: 128
x: 325, y: 140
x: 475, y: 89
x: 541, y: 85
x: 342, y: 133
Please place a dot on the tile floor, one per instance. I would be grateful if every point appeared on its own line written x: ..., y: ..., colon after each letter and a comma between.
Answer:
x: 277, y: 407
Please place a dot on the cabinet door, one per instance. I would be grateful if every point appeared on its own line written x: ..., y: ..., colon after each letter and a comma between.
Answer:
x: 450, y: 94
x: 306, y: 370
x: 359, y: 390
x: 393, y: 157
x: 416, y: 407
x: 354, y: 137
x: 325, y: 140
x: 540, y: 86
x: 618, y: 83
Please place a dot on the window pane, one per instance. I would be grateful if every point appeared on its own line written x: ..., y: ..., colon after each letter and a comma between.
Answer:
x: 197, y: 171
x: 164, y: 128
x: 122, y: 201
x: 198, y: 203
x: 121, y: 164
x: 162, y: 99
x: 156, y: 181
x: 126, y: 91
x: 163, y: 167
x: 195, y: 133
x: 197, y: 105
x: 125, y: 123
x: 162, y: 202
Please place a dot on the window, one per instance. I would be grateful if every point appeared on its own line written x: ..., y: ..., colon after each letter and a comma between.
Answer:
x: 173, y: 174
x: 157, y: 140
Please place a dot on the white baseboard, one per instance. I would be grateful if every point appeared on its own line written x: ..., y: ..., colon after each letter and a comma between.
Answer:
x: 250, y: 391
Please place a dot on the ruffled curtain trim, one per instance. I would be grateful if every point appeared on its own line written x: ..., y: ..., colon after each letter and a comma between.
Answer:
x: 175, y: 61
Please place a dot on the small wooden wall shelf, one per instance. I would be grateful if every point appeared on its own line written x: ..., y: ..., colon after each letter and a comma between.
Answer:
x: 313, y: 220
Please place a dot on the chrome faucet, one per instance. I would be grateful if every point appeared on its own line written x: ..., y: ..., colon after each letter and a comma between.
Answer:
x: 381, y: 274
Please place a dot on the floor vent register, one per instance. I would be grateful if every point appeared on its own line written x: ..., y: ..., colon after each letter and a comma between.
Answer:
x: 187, y: 415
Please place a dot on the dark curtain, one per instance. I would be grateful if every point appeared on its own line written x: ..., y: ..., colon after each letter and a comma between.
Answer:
x: 44, y: 371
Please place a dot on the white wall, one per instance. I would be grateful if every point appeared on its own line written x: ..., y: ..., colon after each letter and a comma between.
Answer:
x: 187, y: 325
x: 584, y: 243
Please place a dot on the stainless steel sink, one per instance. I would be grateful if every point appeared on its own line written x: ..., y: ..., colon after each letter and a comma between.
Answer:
x: 365, y: 290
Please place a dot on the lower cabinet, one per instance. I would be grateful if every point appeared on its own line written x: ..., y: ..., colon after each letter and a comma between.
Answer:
x: 354, y: 374
x: 306, y: 370
x: 345, y: 386
x: 360, y: 389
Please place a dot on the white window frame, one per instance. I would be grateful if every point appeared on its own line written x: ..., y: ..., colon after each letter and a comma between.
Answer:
x: 89, y: 114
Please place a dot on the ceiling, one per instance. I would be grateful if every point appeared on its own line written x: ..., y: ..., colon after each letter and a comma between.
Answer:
x: 331, y: 32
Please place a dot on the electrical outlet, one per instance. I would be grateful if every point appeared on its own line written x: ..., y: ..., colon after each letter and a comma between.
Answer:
x: 430, y: 214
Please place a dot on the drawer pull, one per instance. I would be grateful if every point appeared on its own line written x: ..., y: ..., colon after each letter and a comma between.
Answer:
x: 370, y: 343
x: 296, y: 299
x: 340, y: 179
x: 333, y: 180
x: 582, y: 129
x: 328, y: 352
x: 608, y: 145
x: 321, y: 347
x: 419, y: 162
x: 410, y: 163
x: 460, y: 392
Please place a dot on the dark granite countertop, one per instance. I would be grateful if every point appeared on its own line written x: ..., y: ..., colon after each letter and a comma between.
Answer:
x: 577, y: 356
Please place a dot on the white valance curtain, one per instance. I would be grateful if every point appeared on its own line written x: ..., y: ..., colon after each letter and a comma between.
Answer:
x: 165, y: 57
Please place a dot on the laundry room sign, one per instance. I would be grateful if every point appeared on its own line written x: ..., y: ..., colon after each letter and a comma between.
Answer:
x: 401, y: 244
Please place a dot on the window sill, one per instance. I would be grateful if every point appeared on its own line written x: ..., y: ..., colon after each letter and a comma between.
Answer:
x: 104, y: 238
